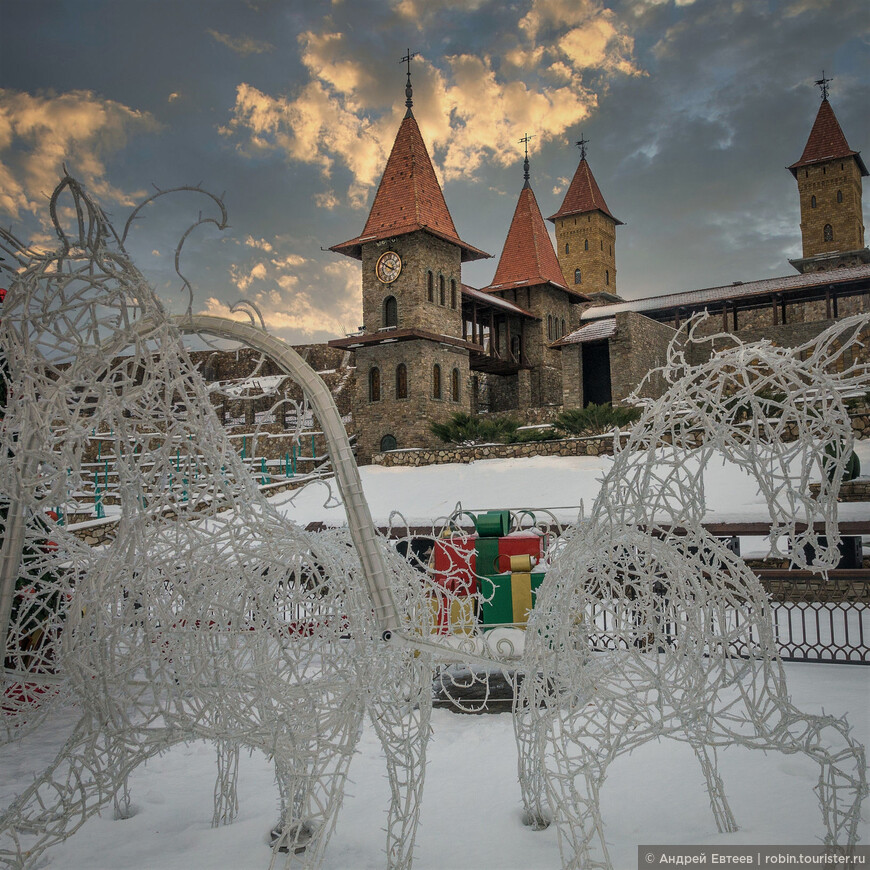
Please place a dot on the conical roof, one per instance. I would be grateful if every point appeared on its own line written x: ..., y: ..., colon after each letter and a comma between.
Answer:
x: 826, y: 142
x: 528, y: 257
x: 409, y: 198
x: 583, y: 195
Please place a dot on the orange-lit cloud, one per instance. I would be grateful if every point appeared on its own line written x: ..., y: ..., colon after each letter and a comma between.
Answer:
x: 470, y: 108
x: 38, y: 134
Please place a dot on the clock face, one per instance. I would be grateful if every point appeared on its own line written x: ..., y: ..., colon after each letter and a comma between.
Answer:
x: 389, y: 267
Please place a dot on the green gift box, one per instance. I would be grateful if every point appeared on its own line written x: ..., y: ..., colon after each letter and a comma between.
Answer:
x: 510, y: 597
x: 493, y: 524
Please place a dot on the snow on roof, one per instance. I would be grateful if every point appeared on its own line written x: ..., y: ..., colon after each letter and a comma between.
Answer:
x: 266, y: 386
x: 595, y: 331
x: 693, y: 298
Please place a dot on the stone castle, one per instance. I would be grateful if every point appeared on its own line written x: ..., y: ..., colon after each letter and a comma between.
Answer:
x: 550, y: 329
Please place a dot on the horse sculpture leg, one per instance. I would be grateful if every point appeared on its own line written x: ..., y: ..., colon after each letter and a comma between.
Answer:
x: 400, y: 713
x: 530, y: 750
x: 311, y: 767
x: 779, y: 725
x: 722, y: 814
x: 89, y: 771
x: 226, y: 798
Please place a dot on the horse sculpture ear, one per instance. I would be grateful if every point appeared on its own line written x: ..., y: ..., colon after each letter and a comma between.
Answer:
x: 79, y: 223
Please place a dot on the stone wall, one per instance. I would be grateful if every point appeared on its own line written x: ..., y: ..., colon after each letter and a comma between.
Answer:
x: 591, y: 242
x: 640, y: 345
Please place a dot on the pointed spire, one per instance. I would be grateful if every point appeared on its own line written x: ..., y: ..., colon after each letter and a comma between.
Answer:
x: 528, y: 257
x: 526, y: 139
x: 583, y: 194
x: 826, y: 140
x: 409, y: 198
x: 409, y: 91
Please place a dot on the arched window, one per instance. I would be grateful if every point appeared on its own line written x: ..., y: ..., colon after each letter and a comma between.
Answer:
x: 454, y: 385
x: 388, y: 442
x: 391, y: 311
x: 839, y: 196
x: 441, y: 294
x: 430, y: 286
x: 607, y: 276
x: 374, y: 385
x: 563, y: 326
x: 829, y: 233
x: 566, y: 247
x: 813, y: 201
x: 401, y: 381
x: 436, y: 381
x: 549, y: 327
x: 586, y: 244
x: 577, y: 276
x: 453, y: 293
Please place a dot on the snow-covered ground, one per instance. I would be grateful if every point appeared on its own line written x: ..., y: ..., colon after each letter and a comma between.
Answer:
x: 471, y: 817
x: 423, y: 495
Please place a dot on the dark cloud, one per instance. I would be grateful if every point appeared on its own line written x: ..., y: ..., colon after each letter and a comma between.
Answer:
x: 694, y: 111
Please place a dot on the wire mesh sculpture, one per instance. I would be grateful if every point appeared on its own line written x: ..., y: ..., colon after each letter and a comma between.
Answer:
x: 649, y: 626
x: 208, y: 616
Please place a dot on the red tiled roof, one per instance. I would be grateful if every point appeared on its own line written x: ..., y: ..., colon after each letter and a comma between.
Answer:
x: 583, y: 195
x: 409, y: 198
x: 528, y: 257
x: 826, y: 142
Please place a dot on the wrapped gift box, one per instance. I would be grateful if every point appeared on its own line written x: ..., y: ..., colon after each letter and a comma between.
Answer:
x: 523, y: 543
x: 510, y: 597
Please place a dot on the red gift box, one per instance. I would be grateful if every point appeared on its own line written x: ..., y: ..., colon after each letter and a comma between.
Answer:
x: 455, y: 564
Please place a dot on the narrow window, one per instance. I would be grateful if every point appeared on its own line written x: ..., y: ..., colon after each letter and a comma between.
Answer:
x: 577, y: 276
x: 829, y: 233
x: 436, y: 381
x: 586, y: 244
x: 607, y: 276
x: 374, y: 385
x: 391, y: 311
x: 441, y: 289
x: 602, y: 245
x: 566, y: 247
x: 563, y: 326
x: 453, y: 293
x: 813, y: 201
x: 430, y: 286
x: 454, y: 385
x: 839, y: 196
x: 549, y: 327
x: 401, y: 381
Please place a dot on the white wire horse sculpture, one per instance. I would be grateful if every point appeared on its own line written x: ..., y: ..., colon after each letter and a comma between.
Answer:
x: 208, y: 616
x: 648, y: 626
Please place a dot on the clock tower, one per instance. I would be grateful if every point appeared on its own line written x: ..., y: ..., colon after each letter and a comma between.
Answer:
x: 412, y: 361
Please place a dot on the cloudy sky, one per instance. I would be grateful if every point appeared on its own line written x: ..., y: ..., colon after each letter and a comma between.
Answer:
x: 692, y: 109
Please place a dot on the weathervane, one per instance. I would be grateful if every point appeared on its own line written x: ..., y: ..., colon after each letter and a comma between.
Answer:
x: 526, y: 139
x: 581, y: 144
x: 822, y: 83
x: 409, y: 93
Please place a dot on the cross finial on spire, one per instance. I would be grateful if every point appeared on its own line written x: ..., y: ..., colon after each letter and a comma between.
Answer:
x: 581, y: 144
x: 526, y: 139
x: 409, y: 93
x: 822, y: 84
